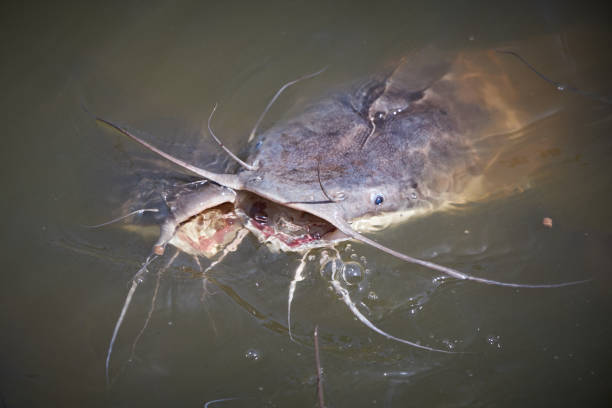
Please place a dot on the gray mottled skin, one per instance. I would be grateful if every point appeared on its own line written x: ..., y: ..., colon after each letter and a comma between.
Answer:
x: 387, y: 138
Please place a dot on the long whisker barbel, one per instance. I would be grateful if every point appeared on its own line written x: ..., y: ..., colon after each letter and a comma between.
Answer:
x: 278, y: 93
x: 558, y: 85
x: 137, y: 212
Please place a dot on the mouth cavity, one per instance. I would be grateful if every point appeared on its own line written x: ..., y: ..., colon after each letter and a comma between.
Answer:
x: 282, y: 228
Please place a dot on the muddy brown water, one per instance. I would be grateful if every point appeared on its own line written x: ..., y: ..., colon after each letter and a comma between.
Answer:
x: 160, y: 69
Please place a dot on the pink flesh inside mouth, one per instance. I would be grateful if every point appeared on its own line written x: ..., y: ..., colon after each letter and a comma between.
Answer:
x: 211, y: 231
x: 293, y: 230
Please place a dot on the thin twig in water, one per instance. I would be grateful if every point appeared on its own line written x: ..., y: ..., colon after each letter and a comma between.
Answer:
x: 319, y: 371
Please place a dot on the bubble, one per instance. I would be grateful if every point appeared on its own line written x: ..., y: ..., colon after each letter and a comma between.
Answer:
x: 252, y: 355
x: 414, y: 310
x: 331, y: 268
x: 324, y: 257
x: 438, y: 280
x: 493, y: 341
x: 450, y: 344
x: 352, y: 273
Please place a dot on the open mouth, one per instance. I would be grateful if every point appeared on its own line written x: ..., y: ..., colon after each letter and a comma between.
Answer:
x: 280, y: 227
x: 209, y: 232
x: 284, y: 228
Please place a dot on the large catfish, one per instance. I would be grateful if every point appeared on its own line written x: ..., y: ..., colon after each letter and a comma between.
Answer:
x: 399, y: 144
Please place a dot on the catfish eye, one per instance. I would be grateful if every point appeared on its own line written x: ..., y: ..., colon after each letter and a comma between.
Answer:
x: 378, y: 117
x: 378, y: 199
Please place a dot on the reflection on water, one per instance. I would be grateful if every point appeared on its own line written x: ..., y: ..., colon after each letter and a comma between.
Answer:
x: 161, y: 68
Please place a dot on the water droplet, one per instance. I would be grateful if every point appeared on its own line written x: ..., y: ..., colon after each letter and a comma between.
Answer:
x: 352, y: 273
x: 413, y: 195
x: 253, y: 355
x: 560, y: 87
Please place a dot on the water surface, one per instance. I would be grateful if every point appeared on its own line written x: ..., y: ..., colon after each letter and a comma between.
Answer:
x: 160, y: 69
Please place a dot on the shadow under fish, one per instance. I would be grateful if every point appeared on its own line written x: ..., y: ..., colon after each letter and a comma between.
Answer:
x: 405, y: 143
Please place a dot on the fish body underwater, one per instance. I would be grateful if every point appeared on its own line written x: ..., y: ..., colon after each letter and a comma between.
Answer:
x: 404, y: 143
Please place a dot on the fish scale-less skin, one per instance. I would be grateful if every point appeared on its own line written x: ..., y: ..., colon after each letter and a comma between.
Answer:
x: 419, y: 146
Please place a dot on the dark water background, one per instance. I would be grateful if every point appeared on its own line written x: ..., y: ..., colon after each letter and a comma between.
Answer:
x: 160, y: 67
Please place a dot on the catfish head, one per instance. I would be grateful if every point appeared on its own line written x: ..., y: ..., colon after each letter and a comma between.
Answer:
x: 397, y: 145
x: 376, y: 155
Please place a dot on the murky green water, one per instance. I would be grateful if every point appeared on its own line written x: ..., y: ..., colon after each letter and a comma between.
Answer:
x: 160, y: 68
